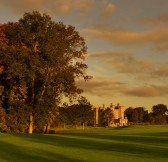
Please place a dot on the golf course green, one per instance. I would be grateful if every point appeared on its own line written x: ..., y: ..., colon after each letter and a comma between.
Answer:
x: 132, y: 144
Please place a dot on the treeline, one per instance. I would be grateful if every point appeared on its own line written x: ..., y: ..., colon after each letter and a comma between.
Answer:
x: 158, y: 115
x: 79, y: 114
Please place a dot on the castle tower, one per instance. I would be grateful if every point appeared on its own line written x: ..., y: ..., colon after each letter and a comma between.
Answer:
x: 118, y: 115
x: 96, y: 116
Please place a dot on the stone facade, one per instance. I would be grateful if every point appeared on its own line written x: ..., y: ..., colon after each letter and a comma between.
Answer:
x: 117, y: 118
x: 96, y: 116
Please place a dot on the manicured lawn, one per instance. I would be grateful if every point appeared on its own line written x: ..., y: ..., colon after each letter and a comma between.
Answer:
x: 133, y: 144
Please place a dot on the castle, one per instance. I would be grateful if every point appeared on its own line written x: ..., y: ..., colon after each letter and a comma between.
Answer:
x: 115, y: 119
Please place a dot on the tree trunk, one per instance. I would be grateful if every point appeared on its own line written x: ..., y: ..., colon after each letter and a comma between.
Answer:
x: 45, y: 82
x: 47, y: 128
x: 64, y: 126
x: 83, y: 125
x: 30, y: 123
x: 31, y: 110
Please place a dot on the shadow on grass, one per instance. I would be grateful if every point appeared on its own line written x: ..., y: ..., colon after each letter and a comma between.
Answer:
x: 14, y: 153
x: 137, y: 146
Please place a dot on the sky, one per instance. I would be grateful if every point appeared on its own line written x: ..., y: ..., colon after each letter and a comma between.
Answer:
x: 127, y: 44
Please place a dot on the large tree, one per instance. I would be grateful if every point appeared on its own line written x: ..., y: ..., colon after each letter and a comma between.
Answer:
x: 41, y: 60
x: 136, y: 115
x: 159, y: 109
x: 158, y: 114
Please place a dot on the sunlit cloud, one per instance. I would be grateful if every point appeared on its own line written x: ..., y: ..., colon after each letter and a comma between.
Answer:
x: 126, y: 63
x: 148, y: 91
x: 49, y: 6
x: 160, y: 69
x: 102, y: 86
x: 158, y: 20
x: 19, y: 6
x: 127, y: 37
x: 108, y: 10
x: 60, y: 7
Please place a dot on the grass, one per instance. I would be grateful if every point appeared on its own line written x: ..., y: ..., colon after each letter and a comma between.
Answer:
x: 132, y: 144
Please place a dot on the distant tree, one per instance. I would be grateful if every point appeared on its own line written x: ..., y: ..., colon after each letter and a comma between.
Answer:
x: 76, y: 114
x: 142, y: 114
x: 41, y: 61
x: 159, y: 109
x: 136, y: 115
x: 151, y: 118
x: 158, y: 114
x: 63, y: 116
x: 166, y: 118
x: 105, y: 117
x: 85, y: 110
x: 128, y: 113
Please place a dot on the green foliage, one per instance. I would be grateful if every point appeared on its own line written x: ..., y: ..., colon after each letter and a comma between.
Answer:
x: 17, y: 118
x: 140, y: 115
x: 159, y: 109
x: 3, y: 126
x: 76, y: 114
x: 136, y: 115
x: 158, y: 114
x: 41, y: 60
x: 105, y: 117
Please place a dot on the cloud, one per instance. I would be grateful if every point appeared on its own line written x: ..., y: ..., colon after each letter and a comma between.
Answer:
x: 158, y: 38
x: 126, y: 63
x: 20, y: 6
x: 108, y: 10
x: 102, y: 86
x: 110, y: 87
x: 148, y: 91
x: 75, y: 8
x: 49, y: 6
x: 110, y: 54
x: 160, y: 69
x: 129, y: 64
x: 159, y: 20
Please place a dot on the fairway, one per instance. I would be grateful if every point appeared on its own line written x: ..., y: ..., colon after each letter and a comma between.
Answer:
x: 134, y: 143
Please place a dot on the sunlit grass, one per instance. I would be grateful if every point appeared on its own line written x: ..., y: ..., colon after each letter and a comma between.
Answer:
x: 135, y: 143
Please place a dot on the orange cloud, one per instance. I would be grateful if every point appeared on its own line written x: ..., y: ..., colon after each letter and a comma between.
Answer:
x: 126, y: 64
x: 108, y: 10
x: 160, y: 20
x: 125, y: 37
x: 49, y: 6
x: 102, y: 86
x: 19, y: 6
x: 109, y: 87
x: 148, y: 91
x: 160, y: 69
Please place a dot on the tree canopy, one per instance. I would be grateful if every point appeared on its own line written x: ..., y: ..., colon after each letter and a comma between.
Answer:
x: 40, y: 61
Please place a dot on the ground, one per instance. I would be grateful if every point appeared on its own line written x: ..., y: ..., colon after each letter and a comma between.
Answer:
x: 134, y: 143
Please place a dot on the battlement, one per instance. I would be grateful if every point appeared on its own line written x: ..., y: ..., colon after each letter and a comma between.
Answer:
x: 117, y: 115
